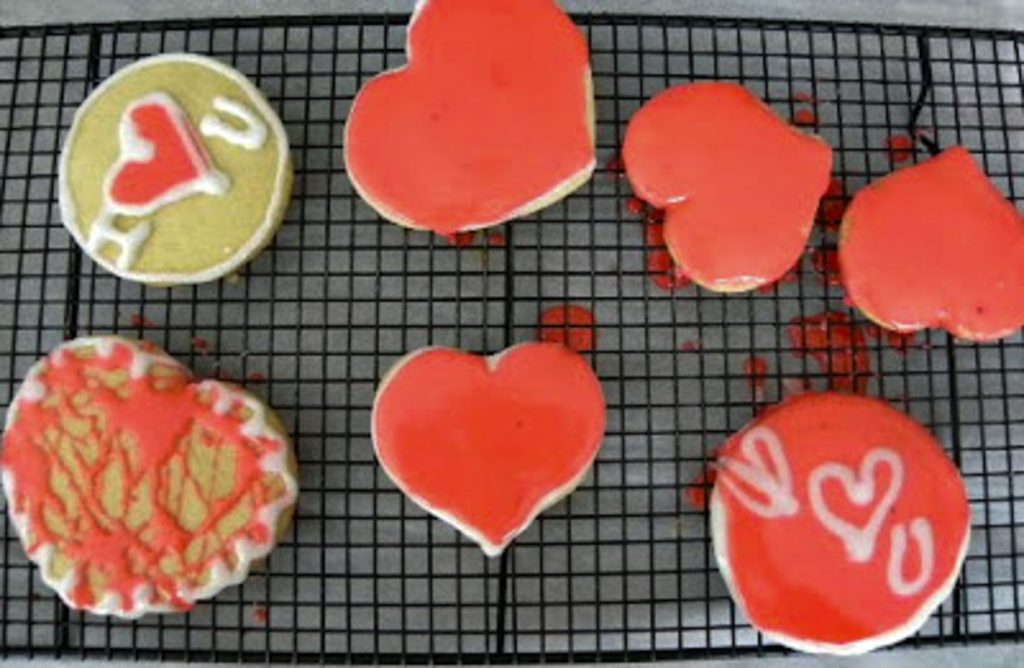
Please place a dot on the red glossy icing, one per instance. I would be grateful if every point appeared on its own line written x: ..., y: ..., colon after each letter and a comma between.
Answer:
x: 936, y: 245
x: 158, y: 420
x: 571, y: 326
x: 838, y: 345
x: 487, y: 443
x: 741, y: 186
x: 794, y: 577
x: 487, y: 119
x: 178, y: 158
x: 901, y: 148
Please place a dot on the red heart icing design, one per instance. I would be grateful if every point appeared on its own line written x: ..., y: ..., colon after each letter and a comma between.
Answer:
x: 487, y: 443
x: 740, y: 186
x: 871, y: 539
x: 936, y: 245
x: 162, y: 158
x: 491, y: 119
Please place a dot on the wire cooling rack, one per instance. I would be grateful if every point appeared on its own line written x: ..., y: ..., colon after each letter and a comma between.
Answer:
x: 623, y: 569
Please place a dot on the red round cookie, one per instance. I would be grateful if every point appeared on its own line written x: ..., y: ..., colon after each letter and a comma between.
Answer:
x: 839, y: 523
x: 491, y: 119
x: 740, y: 186
x: 936, y: 245
x: 486, y: 444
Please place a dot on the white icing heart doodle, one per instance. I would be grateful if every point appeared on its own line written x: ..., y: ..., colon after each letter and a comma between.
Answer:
x: 776, y: 484
x: 860, y: 489
x: 921, y: 531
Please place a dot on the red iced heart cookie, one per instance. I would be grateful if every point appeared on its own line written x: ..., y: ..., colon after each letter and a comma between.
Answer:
x: 491, y: 119
x: 486, y: 444
x: 936, y: 245
x: 839, y: 523
x: 739, y: 184
x: 162, y: 159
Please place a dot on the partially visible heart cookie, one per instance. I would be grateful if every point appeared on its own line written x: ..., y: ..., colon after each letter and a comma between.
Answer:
x: 175, y: 170
x: 491, y: 119
x: 936, y: 245
x: 486, y: 444
x: 839, y: 523
x: 739, y: 185
x: 137, y: 489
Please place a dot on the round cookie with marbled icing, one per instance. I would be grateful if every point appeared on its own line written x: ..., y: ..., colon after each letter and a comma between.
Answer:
x: 136, y: 488
x: 175, y: 171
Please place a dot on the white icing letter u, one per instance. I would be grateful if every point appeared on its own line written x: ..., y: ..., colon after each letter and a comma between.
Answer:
x: 921, y: 530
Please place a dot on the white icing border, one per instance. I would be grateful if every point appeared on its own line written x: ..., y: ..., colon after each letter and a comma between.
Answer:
x: 544, y: 200
x: 551, y: 498
x: 719, y: 521
x: 246, y: 552
x: 275, y: 208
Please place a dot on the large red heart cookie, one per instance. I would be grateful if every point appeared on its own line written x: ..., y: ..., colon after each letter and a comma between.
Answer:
x: 491, y: 119
x: 936, y: 245
x: 136, y: 488
x: 486, y: 444
x: 839, y: 523
x: 739, y: 185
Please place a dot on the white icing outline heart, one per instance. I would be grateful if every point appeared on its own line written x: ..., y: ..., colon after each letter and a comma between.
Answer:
x: 776, y: 484
x: 860, y: 489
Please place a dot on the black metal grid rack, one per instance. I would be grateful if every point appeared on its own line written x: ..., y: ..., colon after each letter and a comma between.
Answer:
x: 623, y: 569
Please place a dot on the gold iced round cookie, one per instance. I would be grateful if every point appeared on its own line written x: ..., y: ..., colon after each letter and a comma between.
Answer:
x: 175, y: 171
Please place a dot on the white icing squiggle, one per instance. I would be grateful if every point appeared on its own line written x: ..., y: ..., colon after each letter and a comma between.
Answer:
x: 776, y: 484
x: 251, y: 138
x: 860, y: 489
x: 921, y: 531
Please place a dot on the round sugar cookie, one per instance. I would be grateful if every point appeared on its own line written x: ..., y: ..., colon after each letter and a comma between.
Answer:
x: 175, y: 171
x: 936, y: 245
x: 136, y: 488
x: 487, y: 443
x: 491, y: 119
x: 740, y: 186
x: 839, y: 523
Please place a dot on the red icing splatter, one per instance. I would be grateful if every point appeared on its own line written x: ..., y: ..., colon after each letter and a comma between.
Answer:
x: 615, y: 167
x: 260, y: 615
x: 833, y: 206
x: 804, y: 97
x: 838, y: 345
x: 826, y: 265
x: 636, y: 206
x: 901, y: 148
x: 141, y: 322
x: 256, y: 377
x: 144, y: 428
x: 805, y: 117
x: 201, y: 344
x: 756, y: 370
x: 661, y: 269
x: 690, y: 346
x: 699, y: 489
x: 461, y: 239
x: 497, y: 239
x: 571, y: 326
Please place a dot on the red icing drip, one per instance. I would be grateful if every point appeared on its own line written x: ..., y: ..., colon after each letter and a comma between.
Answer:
x: 615, y: 166
x: 756, y: 370
x: 256, y: 377
x: 201, y: 344
x: 838, y: 345
x: 461, y: 239
x: 805, y: 117
x: 141, y: 322
x: 636, y: 206
x: 826, y: 265
x: 936, y: 245
x: 178, y: 159
x: 790, y: 276
x: 529, y: 424
x: 795, y: 577
x: 740, y: 185
x: 159, y: 420
x: 803, y: 96
x: 497, y: 239
x: 690, y: 346
x: 661, y: 269
x: 901, y: 148
x: 571, y: 326
x: 833, y: 207
x: 699, y: 489
x: 477, y: 127
x: 260, y: 615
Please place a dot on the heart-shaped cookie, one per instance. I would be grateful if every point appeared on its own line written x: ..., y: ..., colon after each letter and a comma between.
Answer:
x: 486, y: 444
x: 162, y: 159
x: 874, y: 530
x: 136, y: 488
x: 739, y: 185
x: 936, y: 245
x: 491, y: 119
